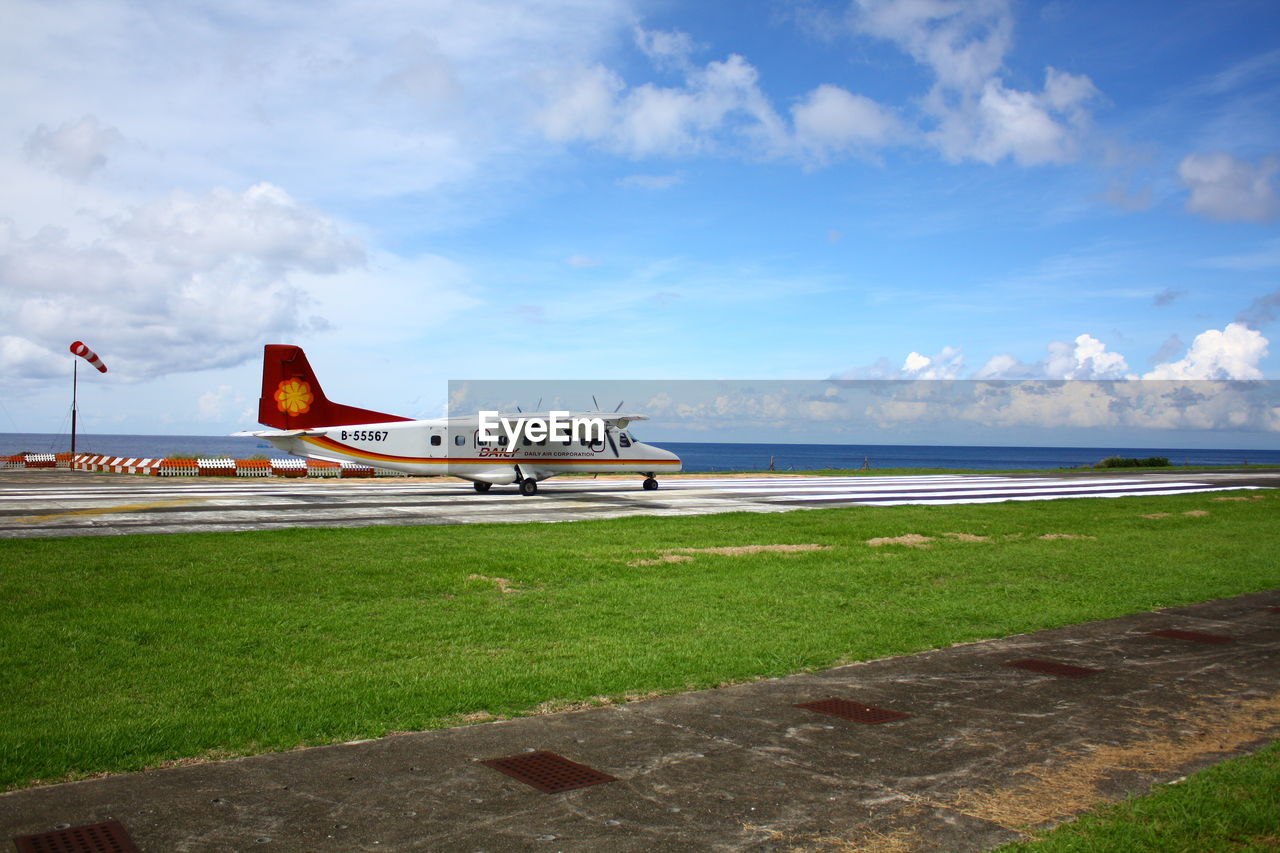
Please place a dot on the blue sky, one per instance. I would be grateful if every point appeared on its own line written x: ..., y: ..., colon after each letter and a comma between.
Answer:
x: 564, y: 189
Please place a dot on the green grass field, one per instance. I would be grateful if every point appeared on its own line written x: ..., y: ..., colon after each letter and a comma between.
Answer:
x: 118, y: 653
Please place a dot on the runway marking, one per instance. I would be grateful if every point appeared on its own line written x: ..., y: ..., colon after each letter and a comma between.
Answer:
x: 106, y: 510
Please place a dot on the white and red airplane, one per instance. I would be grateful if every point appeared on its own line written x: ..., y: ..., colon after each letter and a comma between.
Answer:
x: 486, y: 448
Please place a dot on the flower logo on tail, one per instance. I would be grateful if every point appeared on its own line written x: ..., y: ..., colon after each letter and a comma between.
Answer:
x: 294, y: 397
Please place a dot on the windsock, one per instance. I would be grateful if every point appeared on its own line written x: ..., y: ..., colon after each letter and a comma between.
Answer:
x: 78, y: 348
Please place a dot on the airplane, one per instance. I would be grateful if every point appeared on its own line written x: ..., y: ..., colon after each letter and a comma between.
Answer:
x: 306, y: 423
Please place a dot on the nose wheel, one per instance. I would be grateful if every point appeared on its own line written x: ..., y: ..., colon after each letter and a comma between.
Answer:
x: 482, y: 487
x: 528, y: 486
x: 650, y: 484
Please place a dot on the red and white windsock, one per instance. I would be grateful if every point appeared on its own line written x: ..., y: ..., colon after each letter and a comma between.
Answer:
x: 78, y: 348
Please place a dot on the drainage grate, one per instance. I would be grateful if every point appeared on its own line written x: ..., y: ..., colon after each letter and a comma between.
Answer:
x: 853, y: 711
x: 1193, y: 636
x: 1048, y: 667
x: 549, y: 772
x: 108, y: 837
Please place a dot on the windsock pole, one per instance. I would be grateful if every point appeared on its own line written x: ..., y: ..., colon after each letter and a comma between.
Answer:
x: 75, y: 368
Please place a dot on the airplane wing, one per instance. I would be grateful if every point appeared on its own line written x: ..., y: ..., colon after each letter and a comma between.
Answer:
x: 618, y: 419
x: 276, y: 433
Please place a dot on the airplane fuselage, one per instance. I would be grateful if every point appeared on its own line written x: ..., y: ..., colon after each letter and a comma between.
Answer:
x: 454, y: 446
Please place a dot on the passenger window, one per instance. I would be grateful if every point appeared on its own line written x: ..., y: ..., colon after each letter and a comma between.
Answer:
x: 460, y: 439
x: 435, y: 441
x: 624, y: 440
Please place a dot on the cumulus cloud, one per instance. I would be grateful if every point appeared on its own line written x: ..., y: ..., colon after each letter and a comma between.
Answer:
x: 976, y: 115
x: 74, y: 149
x: 1085, y: 358
x: 1232, y: 353
x: 1229, y: 189
x: 718, y: 104
x: 971, y: 112
x: 947, y: 364
x: 830, y: 120
x: 184, y: 282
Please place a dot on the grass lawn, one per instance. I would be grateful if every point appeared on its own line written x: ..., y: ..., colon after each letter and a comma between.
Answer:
x: 1234, y: 807
x: 124, y: 652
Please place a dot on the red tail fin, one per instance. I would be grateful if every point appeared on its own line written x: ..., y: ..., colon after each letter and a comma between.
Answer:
x: 292, y: 399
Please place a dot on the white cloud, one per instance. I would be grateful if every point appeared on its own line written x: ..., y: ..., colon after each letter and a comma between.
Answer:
x: 719, y: 108
x: 1229, y: 189
x: 581, y: 261
x: 831, y: 120
x: 718, y: 104
x: 1092, y: 361
x: 185, y: 282
x: 583, y: 106
x: 75, y: 149
x: 1233, y: 353
x: 1004, y: 123
x: 947, y: 364
x: 1085, y: 358
x: 977, y: 116
x: 666, y: 49
x: 366, y: 98
x: 964, y: 43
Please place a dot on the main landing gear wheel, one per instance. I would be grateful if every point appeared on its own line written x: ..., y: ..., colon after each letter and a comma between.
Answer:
x: 528, y: 486
x: 650, y: 484
x: 482, y: 487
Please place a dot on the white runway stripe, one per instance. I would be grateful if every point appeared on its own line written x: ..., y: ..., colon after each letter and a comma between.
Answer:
x: 1123, y: 494
x: 1066, y: 491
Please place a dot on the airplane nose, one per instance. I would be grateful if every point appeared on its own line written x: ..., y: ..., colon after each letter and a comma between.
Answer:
x: 665, y: 455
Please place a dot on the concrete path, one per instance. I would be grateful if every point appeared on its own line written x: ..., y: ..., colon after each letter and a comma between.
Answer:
x: 987, y: 749
x: 49, y: 502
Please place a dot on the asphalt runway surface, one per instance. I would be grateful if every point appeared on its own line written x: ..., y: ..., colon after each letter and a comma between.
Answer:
x: 53, y: 502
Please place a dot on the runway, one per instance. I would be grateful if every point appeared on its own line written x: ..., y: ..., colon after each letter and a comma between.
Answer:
x: 43, y: 503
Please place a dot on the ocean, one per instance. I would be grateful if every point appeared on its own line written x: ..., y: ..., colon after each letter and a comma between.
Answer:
x: 697, y: 457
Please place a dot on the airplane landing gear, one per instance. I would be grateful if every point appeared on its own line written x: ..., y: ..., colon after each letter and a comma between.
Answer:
x: 528, y: 486
x: 650, y: 484
x: 482, y: 487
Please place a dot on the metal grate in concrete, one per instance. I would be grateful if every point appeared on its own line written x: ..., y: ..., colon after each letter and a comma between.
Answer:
x: 548, y: 772
x: 107, y: 837
x: 1192, y: 636
x: 855, y: 711
x: 1049, y: 667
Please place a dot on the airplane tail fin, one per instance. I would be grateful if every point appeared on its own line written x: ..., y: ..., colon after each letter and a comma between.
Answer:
x: 292, y: 397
